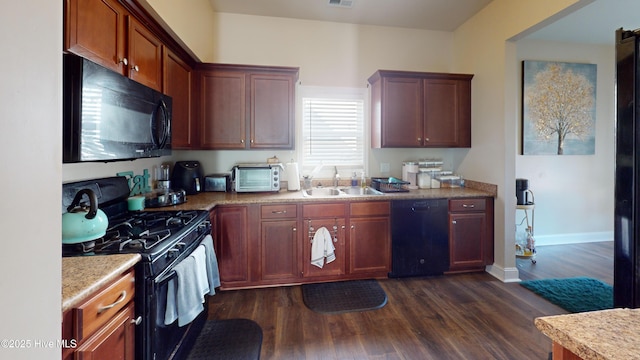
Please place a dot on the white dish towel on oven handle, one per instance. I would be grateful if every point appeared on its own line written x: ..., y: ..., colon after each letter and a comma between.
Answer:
x: 213, y: 275
x: 185, y: 292
x: 196, y: 276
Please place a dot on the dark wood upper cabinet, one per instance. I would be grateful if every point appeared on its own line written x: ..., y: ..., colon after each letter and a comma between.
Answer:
x: 104, y: 32
x: 246, y: 107
x: 177, y: 83
x: 96, y: 30
x: 416, y: 109
x: 145, y: 55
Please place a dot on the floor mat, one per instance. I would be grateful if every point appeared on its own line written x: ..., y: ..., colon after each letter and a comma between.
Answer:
x: 228, y: 339
x: 344, y: 296
x: 576, y: 294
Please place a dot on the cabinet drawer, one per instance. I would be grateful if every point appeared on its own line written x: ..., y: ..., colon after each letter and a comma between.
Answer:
x: 367, y: 208
x: 96, y: 311
x: 282, y: 211
x: 323, y: 210
x: 475, y: 204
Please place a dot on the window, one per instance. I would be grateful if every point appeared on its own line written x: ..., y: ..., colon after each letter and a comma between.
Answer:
x: 332, y: 131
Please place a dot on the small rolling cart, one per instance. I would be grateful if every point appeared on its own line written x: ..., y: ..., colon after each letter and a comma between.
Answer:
x: 525, y: 248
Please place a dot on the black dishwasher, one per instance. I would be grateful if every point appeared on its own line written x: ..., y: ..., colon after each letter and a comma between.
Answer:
x: 419, y: 237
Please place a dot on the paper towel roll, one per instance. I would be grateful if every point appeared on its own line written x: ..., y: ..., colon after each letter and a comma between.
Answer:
x: 293, y: 176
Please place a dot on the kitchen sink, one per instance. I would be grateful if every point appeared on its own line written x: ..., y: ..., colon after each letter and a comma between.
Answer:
x: 360, y: 191
x: 347, y: 191
x: 321, y: 192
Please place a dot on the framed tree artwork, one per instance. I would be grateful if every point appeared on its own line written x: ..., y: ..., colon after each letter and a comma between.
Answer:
x: 558, y: 108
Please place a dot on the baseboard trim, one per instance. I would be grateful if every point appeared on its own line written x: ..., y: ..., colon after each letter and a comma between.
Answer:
x: 575, y: 238
x: 503, y: 274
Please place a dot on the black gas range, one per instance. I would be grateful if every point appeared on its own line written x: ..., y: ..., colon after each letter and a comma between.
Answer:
x: 163, y: 239
x: 158, y: 236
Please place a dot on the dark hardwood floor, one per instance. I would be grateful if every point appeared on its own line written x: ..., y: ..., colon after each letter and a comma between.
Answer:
x: 465, y: 316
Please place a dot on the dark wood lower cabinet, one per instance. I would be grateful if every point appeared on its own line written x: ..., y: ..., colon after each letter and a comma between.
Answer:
x: 232, y: 245
x: 335, y: 269
x: 103, y: 325
x: 470, y: 234
x: 114, y: 341
x: 279, y: 250
x: 261, y: 245
x: 369, y: 238
x: 270, y: 244
x: 369, y: 246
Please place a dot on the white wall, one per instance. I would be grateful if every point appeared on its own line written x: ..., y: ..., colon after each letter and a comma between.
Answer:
x: 484, y: 46
x: 328, y: 54
x: 574, y: 193
x: 31, y: 145
x: 331, y: 54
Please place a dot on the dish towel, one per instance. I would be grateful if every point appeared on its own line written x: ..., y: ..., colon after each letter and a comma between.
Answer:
x: 213, y: 275
x: 185, y: 292
x: 322, y: 248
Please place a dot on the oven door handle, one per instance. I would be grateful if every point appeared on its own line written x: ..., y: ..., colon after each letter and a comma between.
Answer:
x: 161, y: 279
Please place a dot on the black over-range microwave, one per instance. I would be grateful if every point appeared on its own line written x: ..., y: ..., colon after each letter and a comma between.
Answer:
x: 109, y: 117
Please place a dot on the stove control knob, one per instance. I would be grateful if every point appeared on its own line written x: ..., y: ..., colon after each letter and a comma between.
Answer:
x: 172, y: 252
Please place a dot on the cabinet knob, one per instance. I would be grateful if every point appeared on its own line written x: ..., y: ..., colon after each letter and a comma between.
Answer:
x: 453, y: 222
x: 135, y: 68
x: 241, y: 141
x: 137, y: 320
x: 426, y: 139
x: 419, y: 139
x: 252, y: 141
x: 123, y: 61
x: 295, y: 229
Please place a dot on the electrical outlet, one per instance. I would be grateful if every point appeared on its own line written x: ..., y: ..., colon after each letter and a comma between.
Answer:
x: 384, y: 167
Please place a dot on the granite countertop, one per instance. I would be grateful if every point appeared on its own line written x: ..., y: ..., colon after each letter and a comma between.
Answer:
x: 83, y: 275
x: 208, y: 200
x: 606, y: 334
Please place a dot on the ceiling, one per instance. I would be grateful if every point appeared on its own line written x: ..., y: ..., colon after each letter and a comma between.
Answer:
x: 594, y: 23
x: 444, y: 15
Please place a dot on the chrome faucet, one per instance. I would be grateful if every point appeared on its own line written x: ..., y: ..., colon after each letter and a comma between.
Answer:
x: 336, y: 177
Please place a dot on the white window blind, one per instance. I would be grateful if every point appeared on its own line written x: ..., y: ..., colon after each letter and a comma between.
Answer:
x: 333, y: 134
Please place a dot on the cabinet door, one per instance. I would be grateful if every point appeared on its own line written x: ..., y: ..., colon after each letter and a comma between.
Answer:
x: 177, y: 84
x: 145, y: 56
x: 222, y: 110
x: 272, y: 111
x: 402, y: 115
x: 232, y: 244
x: 279, y: 250
x: 369, y: 245
x: 115, y: 340
x: 337, y: 229
x: 447, y: 113
x: 96, y: 30
x: 466, y: 240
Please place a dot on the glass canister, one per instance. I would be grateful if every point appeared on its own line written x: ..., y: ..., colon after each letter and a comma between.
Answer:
x: 424, y: 178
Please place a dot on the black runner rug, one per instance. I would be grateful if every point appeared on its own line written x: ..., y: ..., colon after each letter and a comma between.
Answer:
x: 230, y: 339
x: 344, y: 296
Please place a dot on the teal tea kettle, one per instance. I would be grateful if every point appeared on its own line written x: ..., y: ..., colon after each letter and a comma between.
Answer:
x: 80, y: 224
